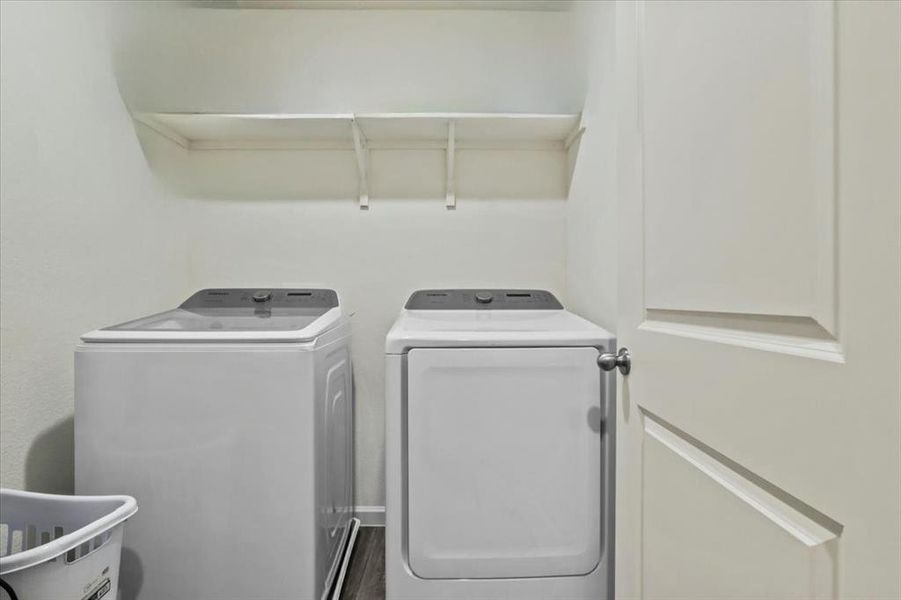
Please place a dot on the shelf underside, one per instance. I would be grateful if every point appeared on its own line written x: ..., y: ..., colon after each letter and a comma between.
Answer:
x: 199, y: 133
x: 206, y: 131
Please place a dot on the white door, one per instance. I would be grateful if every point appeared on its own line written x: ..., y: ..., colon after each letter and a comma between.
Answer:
x: 504, y: 468
x: 758, y: 433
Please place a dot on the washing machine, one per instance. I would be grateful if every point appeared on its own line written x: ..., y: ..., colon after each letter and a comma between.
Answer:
x: 500, y: 443
x: 230, y: 419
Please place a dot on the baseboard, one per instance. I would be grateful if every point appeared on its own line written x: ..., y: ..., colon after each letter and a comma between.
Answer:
x: 371, y: 516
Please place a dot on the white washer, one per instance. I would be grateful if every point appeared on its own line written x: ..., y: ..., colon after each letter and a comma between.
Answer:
x: 500, y: 447
x: 230, y: 419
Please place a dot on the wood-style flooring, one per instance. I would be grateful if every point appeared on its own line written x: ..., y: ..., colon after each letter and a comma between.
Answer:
x: 365, y: 579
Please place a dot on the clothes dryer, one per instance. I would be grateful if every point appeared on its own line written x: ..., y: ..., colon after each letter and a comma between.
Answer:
x: 500, y: 448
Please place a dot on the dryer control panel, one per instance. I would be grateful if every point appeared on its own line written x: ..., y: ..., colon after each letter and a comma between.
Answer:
x: 492, y: 299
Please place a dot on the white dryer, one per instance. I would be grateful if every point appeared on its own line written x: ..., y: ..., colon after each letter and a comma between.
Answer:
x: 500, y: 447
x: 230, y: 419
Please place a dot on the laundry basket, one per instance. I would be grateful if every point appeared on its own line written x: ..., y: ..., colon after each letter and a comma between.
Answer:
x: 61, y: 547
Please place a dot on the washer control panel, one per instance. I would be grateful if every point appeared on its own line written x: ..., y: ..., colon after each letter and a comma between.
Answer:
x: 252, y: 298
x: 483, y: 300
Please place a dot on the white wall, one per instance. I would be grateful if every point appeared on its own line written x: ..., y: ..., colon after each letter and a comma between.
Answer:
x: 87, y: 237
x: 591, y: 240
x: 352, y: 61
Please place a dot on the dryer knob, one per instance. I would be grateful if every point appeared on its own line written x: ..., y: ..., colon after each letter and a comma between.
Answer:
x: 484, y: 297
x: 262, y: 296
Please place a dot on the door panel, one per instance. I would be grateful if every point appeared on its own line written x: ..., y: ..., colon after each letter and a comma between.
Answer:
x: 738, y: 157
x: 737, y: 141
x: 715, y: 530
x: 713, y: 536
x: 758, y: 434
x: 504, y: 462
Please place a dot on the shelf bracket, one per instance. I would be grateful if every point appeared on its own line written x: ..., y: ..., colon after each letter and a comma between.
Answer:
x: 450, y: 199
x: 362, y: 154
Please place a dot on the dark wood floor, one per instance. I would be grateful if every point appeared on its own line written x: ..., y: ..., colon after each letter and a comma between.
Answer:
x: 365, y: 579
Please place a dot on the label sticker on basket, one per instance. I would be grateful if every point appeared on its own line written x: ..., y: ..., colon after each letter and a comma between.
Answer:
x: 101, y: 591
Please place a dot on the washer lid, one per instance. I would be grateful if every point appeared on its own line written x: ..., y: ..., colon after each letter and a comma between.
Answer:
x: 492, y: 328
x: 237, y: 315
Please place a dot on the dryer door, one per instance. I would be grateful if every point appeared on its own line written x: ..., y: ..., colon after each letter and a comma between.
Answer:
x: 504, y: 462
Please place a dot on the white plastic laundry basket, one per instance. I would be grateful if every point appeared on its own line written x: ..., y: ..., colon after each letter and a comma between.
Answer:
x: 61, y: 547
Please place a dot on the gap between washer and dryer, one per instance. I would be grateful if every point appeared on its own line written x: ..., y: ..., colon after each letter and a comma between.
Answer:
x: 365, y: 578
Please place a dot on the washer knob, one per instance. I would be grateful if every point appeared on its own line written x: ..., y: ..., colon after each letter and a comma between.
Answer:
x: 484, y: 297
x: 262, y: 296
